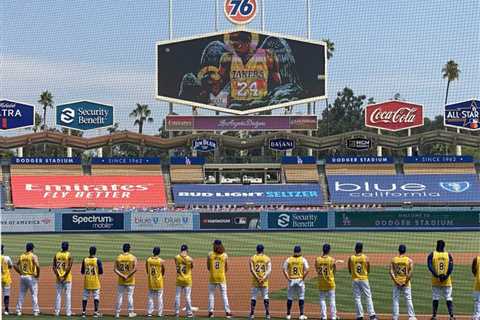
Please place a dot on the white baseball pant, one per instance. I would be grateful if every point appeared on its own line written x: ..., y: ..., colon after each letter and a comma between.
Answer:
x: 262, y: 290
x: 296, y: 288
x: 61, y: 286
x: 5, y: 291
x: 442, y: 292
x: 94, y: 292
x: 187, y: 291
x: 28, y: 283
x: 211, y: 296
x: 362, y: 287
x: 152, y: 296
x: 121, y: 289
x: 407, y: 293
x: 476, y: 305
x: 330, y: 294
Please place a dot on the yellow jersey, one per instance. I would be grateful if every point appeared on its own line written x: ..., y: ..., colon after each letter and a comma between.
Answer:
x: 326, y: 276
x: 440, y: 263
x: 249, y: 81
x: 476, y: 286
x: 154, y: 273
x: 261, y: 264
x: 27, y: 266
x: 401, y: 268
x: 217, y: 263
x: 6, y: 264
x: 125, y: 263
x: 358, y: 267
x: 62, y: 258
x: 91, y: 279
x: 295, y: 267
x: 183, y: 266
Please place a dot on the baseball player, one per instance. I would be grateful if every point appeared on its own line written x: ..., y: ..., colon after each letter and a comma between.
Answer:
x: 6, y: 265
x: 184, y: 266
x: 260, y: 268
x: 326, y: 268
x: 155, y: 268
x: 476, y: 288
x: 359, y: 268
x: 62, y: 267
x: 91, y: 269
x: 401, y: 269
x: 295, y: 270
x: 28, y: 268
x: 440, y: 264
x: 217, y: 267
x: 125, y: 268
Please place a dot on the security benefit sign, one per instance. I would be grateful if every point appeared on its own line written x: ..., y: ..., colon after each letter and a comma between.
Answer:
x: 14, y: 115
x: 241, y: 72
x: 86, y: 221
x: 452, y: 188
x: 297, y: 220
x: 463, y: 115
x: 229, y: 220
x: 279, y: 194
x: 88, y: 191
x: 84, y: 115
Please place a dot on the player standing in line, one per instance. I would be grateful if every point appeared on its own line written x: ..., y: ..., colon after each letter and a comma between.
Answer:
x: 125, y: 268
x: 6, y: 265
x: 359, y: 268
x: 326, y: 269
x: 91, y: 269
x: 476, y: 287
x: 155, y: 268
x: 62, y: 267
x: 184, y: 266
x: 295, y: 270
x: 28, y: 268
x: 217, y: 267
x: 260, y: 268
x: 401, y: 269
x: 440, y: 264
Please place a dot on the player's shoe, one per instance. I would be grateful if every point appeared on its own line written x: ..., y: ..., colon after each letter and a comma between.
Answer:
x: 288, y: 317
x: 84, y: 314
x: 36, y: 314
x: 160, y: 315
x: 433, y: 318
x: 451, y: 318
x: 19, y: 313
x: 132, y: 314
x: 210, y: 314
x: 374, y: 317
x: 117, y: 315
x: 267, y: 317
x: 303, y: 317
x: 57, y: 314
x: 190, y: 315
x: 97, y: 314
x: 360, y: 318
x: 149, y: 315
x: 5, y: 313
x: 229, y: 315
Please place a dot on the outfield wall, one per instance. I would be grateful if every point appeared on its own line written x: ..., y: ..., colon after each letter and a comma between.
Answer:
x: 360, y: 220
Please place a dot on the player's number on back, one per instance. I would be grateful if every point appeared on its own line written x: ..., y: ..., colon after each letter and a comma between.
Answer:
x: 441, y: 266
x: 359, y: 268
x: 60, y: 265
x: 123, y: 267
x: 181, y: 269
x: 323, y: 270
x: 401, y: 270
x: 244, y: 6
x: 216, y: 265
x: 90, y: 271
x: 260, y: 267
x: 244, y: 89
x: 295, y: 270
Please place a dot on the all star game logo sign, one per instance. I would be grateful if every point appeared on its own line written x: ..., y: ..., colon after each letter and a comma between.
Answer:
x: 240, y: 11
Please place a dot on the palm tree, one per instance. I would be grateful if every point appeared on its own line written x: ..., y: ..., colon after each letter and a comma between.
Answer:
x: 38, y: 122
x: 141, y: 113
x: 450, y: 72
x: 330, y: 49
x: 113, y: 128
x: 46, y: 100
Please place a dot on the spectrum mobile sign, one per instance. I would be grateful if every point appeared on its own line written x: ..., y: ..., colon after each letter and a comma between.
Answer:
x: 84, y: 115
x: 14, y: 115
x: 394, y: 115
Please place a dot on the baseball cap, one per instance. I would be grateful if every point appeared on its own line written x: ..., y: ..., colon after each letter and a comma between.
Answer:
x: 217, y: 242
x: 326, y: 247
x: 260, y: 247
x: 184, y: 247
x: 126, y: 247
x: 64, y: 245
x: 402, y: 248
x: 297, y: 249
x: 29, y: 246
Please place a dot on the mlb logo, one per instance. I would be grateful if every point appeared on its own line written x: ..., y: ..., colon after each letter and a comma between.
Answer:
x: 240, y: 11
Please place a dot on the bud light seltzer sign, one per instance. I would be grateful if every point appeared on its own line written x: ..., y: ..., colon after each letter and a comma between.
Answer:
x: 464, y: 115
x: 204, y: 145
x: 14, y: 115
x: 394, y: 115
x: 240, y: 11
x: 281, y: 144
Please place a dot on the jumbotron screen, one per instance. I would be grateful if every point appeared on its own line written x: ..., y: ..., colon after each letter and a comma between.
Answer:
x: 241, y: 71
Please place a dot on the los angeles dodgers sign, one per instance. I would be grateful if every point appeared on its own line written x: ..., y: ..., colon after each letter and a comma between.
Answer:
x: 240, y: 11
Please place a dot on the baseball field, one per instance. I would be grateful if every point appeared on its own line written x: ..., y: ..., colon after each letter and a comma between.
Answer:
x: 379, y: 246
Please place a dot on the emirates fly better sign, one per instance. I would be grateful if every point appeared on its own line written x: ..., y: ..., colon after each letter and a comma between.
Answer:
x: 394, y: 115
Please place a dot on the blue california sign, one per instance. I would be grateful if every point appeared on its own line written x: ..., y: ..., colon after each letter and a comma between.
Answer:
x: 84, y: 115
x: 204, y: 145
x: 463, y: 115
x: 14, y: 115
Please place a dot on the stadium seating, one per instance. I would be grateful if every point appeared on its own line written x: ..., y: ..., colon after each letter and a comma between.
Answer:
x: 126, y: 170
x: 439, y: 168
x: 360, y: 169
x: 300, y: 173
x: 186, y: 173
x: 46, y: 170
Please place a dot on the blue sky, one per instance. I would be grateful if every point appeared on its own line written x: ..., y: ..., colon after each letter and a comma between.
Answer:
x: 105, y: 50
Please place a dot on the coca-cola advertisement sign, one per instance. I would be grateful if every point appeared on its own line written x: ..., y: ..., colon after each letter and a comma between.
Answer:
x: 88, y: 191
x: 394, y: 115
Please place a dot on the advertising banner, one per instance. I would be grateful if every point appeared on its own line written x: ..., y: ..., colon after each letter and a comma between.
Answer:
x: 230, y: 220
x: 14, y: 115
x: 91, y: 221
x: 298, y: 160
x: 281, y: 194
x: 394, y: 115
x: 241, y: 72
x: 358, y: 144
x: 244, y: 123
x: 129, y: 161
x: 438, y: 159
x: 46, y: 160
x: 240, y: 12
x: 84, y: 115
x: 463, y: 115
x: 408, y: 219
x: 297, y: 220
x: 28, y: 222
x: 88, y: 191
x: 204, y: 145
x: 359, y: 160
x: 281, y: 144
x: 460, y: 188
x: 161, y: 221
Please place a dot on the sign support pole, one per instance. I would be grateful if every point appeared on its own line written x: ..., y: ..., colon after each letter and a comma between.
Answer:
x: 20, y: 152
x: 458, y: 147
x: 309, y: 33
x: 409, y: 149
x: 69, y: 149
x: 379, y: 148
